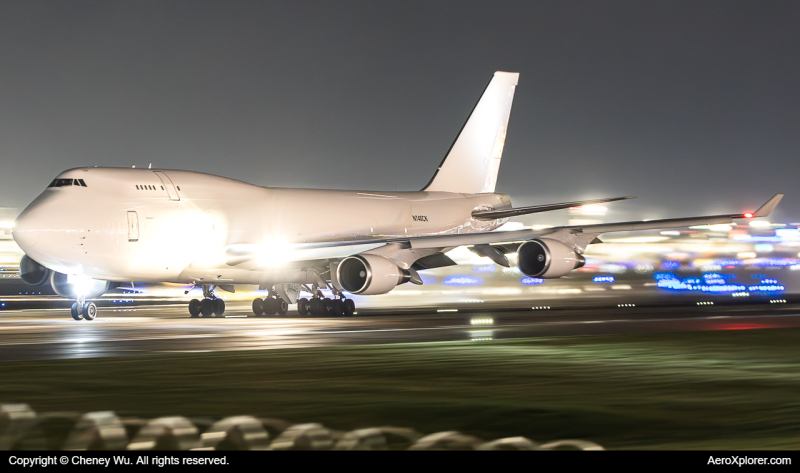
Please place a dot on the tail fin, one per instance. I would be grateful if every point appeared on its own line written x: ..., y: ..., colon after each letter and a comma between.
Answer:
x: 473, y: 160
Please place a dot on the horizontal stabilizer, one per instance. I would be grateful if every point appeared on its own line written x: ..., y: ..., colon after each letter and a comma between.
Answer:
x: 493, y: 214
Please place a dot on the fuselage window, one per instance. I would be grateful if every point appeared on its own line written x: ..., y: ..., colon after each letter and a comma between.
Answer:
x: 162, y: 188
x: 83, y: 184
x: 137, y: 187
x: 179, y: 187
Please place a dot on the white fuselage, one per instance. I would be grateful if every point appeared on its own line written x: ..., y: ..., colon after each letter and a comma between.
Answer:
x: 177, y: 225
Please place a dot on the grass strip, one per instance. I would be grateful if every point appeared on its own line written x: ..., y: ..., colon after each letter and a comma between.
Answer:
x: 710, y: 390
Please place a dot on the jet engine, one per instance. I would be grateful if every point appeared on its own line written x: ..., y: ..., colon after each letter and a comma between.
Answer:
x: 546, y: 258
x: 70, y: 287
x: 32, y: 272
x: 370, y: 274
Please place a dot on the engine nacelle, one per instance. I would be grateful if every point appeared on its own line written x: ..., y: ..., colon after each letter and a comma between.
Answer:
x: 68, y: 287
x: 370, y: 274
x: 546, y: 258
x: 32, y: 272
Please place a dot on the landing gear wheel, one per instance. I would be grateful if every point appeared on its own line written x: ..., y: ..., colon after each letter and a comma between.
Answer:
x: 194, y: 308
x: 338, y: 307
x: 218, y: 307
x: 282, y: 306
x: 349, y: 307
x: 327, y: 303
x: 270, y: 306
x: 302, y: 306
x: 74, y: 312
x: 315, y: 307
x: 206, y: 307
x: 89, y: 311
x: 258, y: 307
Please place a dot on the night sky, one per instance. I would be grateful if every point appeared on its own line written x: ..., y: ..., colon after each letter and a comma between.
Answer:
x: 692, y: 106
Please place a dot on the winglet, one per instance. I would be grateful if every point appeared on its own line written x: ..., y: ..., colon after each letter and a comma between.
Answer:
x: 768, y: 207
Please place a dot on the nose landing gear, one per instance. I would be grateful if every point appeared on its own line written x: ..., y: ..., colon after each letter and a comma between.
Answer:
x: 83, y: 310
x: 210, y: 306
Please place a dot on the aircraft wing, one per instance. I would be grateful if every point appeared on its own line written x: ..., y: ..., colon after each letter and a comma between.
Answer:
x: 594, y: 229
x: 240, y: 254
x: 495, y: 214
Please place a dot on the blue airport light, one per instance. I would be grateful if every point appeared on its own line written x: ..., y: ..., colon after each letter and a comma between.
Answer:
x: 670, y: 264
x: 775, y: 262
x: 603, y: 279
x: 766, y: 288
x: 529, y: 281
x: 462, y: 280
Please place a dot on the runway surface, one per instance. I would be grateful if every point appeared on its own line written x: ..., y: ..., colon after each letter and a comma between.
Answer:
x: 48, y: 334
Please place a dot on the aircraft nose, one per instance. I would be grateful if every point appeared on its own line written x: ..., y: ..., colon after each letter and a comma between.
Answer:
x: 26, y: 229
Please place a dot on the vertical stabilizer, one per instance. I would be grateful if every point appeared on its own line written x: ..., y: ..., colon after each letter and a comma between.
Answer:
x: 473, y: 160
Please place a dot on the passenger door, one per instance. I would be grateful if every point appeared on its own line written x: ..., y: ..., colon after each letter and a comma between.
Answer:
x: 133, y: 226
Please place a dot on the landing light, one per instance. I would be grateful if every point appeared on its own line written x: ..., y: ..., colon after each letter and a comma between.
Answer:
x: 274, y: 253
x: 748, y: 215
x: 81, y: 282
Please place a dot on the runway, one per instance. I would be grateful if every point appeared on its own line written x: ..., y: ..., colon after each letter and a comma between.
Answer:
x: 50, y: 334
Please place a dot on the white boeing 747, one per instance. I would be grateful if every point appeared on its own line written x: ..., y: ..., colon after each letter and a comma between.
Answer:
x: 95, y: 226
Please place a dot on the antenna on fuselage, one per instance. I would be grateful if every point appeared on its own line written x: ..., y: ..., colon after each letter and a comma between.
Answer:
x: 150, y: 166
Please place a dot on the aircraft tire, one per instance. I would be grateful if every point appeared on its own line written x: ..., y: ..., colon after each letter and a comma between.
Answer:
x: 194, y: 308
x: 89, y: 311
x: 218, y: 307
x: 349, y: 307
x: 74, y: 312
x: 270, y: 306
x: 258, y: 307
x: 327, y: 305
x: 206, y: 307
x: 315, y: 307
x: 302, y: 306
x: 282, y: 306
x: 338, y: 308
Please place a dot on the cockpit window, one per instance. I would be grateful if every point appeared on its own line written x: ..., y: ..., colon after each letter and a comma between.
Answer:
x: 67, y: 182
x: 60, y: 183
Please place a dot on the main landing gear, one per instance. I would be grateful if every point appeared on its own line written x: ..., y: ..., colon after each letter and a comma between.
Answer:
x: 83, y: 310
x: 210, y: 306
x: 271, y: 305
x: 316, y: 306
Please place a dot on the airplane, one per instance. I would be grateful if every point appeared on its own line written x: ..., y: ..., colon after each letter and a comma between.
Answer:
x: 97, y: 226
